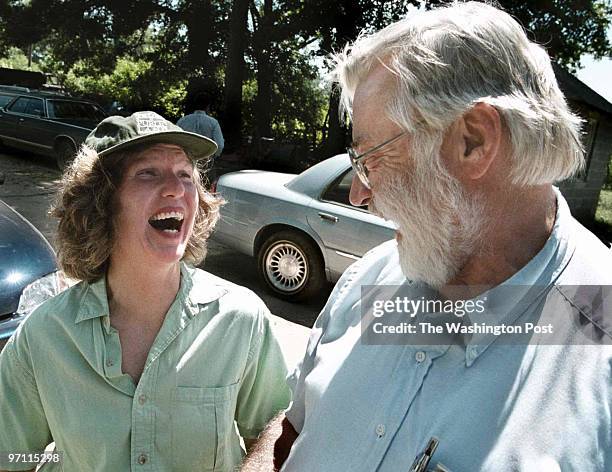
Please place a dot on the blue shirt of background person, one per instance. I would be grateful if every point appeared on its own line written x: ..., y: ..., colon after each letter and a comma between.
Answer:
x: 200, y: 122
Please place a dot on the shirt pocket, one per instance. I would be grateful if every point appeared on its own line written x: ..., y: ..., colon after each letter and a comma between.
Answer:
x: 203, y: 428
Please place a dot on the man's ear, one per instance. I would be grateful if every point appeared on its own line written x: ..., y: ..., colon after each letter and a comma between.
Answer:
x: 472, y: 143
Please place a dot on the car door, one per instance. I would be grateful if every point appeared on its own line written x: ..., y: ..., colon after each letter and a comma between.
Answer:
x: 33, y: 127
x: 9, y: 120
x: 26, y: 115
x: 347, y: 232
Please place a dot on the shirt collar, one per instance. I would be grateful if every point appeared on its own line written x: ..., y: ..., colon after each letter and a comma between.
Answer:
x: 529, y: 283
x: 201, y: 287
x: 94, y: 302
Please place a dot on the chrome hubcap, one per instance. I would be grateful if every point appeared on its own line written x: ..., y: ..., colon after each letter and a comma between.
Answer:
x: 286, y: 266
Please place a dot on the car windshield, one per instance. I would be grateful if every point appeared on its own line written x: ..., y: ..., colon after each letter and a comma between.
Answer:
x: 65, y: 109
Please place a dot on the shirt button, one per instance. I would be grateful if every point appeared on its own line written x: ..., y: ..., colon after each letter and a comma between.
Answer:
x: 420, y: 356
x: 380, y: 430
x: 110, y: 363
x: 142, y: 399
x: 142, y: 459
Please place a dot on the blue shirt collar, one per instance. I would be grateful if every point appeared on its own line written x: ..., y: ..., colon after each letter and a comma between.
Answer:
x: 529, y: 283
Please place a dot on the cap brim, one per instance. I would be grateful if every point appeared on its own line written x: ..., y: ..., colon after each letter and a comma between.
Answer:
x: 197, y: 146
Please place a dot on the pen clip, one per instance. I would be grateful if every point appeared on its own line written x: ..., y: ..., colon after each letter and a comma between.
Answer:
x: 421, y: 461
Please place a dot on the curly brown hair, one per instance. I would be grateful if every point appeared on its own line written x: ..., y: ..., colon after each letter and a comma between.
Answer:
x: 86, y: 204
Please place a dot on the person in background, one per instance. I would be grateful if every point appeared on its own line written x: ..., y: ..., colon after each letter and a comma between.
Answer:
x: 200, y: 122
x: 459, y: 133
x: 147, y: 363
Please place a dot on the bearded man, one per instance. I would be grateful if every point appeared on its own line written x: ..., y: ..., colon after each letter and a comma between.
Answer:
x: 460, y: 131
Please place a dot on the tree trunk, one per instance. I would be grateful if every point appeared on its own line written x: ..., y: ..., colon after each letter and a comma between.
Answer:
x: 199, y: 23
x: 347, y: 18
x: 263, y: 102
x: 336, y: 133
x: 234, y: 74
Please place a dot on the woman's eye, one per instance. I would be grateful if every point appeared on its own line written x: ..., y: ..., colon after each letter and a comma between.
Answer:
x: 146, y: 173
x: 186, y: 175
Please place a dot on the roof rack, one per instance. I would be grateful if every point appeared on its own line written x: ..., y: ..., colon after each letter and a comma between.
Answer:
x: 14, y: 88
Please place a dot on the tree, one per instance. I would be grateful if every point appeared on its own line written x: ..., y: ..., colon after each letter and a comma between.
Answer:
x: 234, y: 72
x: 337, y: 24
x: 254, y: 56
x: 567, y: 28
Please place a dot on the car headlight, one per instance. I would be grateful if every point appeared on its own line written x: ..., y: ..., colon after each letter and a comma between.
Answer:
x: 42, y: 289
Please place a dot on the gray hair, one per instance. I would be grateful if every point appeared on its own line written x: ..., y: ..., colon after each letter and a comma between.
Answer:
x: 448, y: 59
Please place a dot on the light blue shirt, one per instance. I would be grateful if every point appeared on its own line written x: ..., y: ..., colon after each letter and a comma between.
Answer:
x: 201, y: 123
x: 494, y: 407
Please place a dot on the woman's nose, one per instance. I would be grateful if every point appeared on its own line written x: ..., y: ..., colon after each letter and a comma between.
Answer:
x: 173, y: 186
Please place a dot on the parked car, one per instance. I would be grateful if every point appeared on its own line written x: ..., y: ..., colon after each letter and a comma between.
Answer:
x: 46, y: 123
x: 9, y: 92
x: 302, y: 229
x: 28, y: 271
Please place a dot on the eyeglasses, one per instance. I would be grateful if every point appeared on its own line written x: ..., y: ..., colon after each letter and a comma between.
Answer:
x: 358, y: 160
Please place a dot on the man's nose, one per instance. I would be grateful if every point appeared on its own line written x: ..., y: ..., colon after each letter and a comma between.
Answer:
x: 360, y: 195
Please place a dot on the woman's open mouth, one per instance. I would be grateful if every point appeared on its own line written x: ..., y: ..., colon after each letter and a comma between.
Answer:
x: 170, y: 222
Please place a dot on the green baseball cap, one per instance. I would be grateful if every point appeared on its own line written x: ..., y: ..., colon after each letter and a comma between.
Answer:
x: 118, y: 133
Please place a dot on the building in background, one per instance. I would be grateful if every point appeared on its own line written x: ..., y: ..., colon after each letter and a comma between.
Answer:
x: 582, y: 192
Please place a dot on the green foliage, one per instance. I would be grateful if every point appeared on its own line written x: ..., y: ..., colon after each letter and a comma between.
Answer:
x: 147, y: 54
x: 299, y: 99
x: 608, y: 183
x: 171, y: 100
x: 604, y: 208
x: 133, y: 83
x: 567, y: 28
x: 15, y: 58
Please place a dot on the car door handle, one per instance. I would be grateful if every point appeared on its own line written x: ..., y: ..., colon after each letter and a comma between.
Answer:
x: 328, y: 217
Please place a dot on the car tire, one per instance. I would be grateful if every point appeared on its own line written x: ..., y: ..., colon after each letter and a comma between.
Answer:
x: 291, y: 266
x: 64, y: 154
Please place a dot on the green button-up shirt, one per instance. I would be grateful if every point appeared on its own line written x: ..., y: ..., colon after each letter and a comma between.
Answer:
x: 214, y: 364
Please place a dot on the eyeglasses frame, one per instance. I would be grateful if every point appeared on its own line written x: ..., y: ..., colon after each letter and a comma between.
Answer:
x: 357, y: 160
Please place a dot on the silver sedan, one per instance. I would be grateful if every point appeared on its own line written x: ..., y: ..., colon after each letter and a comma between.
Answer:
x: 301, y: 228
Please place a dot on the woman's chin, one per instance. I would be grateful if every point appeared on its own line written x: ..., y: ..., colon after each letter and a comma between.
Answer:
x: 167, y: 255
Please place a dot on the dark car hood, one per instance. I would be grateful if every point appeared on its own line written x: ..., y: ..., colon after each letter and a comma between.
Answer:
x: 25, y: 255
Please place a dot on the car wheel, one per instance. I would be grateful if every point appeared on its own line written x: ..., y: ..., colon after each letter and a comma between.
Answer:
x: 64, y: 154
x: 291, y: 266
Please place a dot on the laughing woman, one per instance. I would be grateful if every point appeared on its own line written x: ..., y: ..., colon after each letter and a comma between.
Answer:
x: 147, y: 363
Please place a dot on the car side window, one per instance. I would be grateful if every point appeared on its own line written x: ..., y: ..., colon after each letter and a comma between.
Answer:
x: 35, y: 107
x: 28, y: 106
x: 5, y: 100
x: 60, y: 109
x: 340, y: 188
x: 19, y: 105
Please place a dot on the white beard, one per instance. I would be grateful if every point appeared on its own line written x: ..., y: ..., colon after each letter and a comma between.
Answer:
x: 439, y: 224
